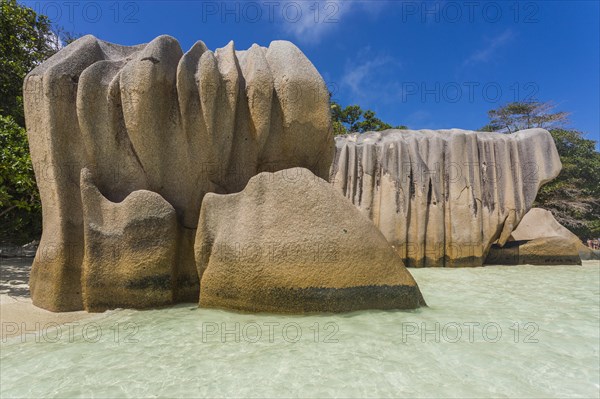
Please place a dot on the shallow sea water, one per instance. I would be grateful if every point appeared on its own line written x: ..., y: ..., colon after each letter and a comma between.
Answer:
x: 519, y: 331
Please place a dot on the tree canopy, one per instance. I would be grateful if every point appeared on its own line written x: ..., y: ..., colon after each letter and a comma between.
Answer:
x: 20, y: 208
x: 574, y: 196
x: 517, y: 116
x: 25, y: 41
x: 353, y: 119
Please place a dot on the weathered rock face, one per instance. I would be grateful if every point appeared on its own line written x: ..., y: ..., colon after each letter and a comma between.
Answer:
x: 150, y: 117
x: 289, y: 242
x: 441, y: 198
x: 130, y: 249
x: 539, y: 240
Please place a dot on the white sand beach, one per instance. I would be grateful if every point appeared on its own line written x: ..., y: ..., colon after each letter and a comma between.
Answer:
x: 18, y: 315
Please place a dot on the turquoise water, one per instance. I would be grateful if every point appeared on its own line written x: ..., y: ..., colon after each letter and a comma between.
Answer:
x: 537, y: 336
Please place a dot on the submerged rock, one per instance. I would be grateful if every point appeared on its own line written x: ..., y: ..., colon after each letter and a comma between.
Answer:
x: 289, y: 242
x: 441, y: 198
x: 150, y: 117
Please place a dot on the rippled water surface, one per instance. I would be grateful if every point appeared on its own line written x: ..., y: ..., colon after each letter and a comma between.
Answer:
x: 496, y: 331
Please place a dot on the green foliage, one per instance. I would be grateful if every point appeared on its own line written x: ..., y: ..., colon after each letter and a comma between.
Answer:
x: 354, y: 119
x: 26, y: 40
x: 20, y: 208
x: 24, y: 43
x: 516, y: 116
x: 573, y: 197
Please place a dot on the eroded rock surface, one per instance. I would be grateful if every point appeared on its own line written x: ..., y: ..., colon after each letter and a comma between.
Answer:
x: 289, y: 242
x: 441, y: 198
x: 180, y: 125
x: 130, y: 249
x: 540, y: 240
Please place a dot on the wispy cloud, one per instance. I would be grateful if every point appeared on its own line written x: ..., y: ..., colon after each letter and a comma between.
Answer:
x: 357, y: 76
x: 372, y: 78
x: 485, y: 54
x: 310, y: 21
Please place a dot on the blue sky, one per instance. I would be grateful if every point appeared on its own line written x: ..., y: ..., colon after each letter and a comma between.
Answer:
x: 438, y: 64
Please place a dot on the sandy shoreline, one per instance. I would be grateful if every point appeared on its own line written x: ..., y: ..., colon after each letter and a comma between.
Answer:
x: 18, y: 315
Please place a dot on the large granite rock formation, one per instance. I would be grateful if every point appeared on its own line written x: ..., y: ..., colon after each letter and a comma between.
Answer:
x: 150, y: 117
x: 289, y: 242
x: 540, y: 240
x: 441, y: 198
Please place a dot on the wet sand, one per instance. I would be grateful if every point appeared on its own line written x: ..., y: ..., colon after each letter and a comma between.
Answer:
x: 18, y: 315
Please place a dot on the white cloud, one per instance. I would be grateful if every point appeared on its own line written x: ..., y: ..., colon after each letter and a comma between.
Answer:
x: 310, y: 21
x: 485, y: 54
x: 358, y: 75
x: 371, y: 79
